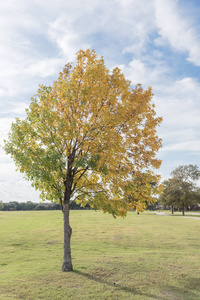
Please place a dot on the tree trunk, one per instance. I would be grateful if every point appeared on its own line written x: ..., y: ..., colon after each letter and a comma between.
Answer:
x: 183, y: 210
x: 172, y: 209
x: 67, y: 261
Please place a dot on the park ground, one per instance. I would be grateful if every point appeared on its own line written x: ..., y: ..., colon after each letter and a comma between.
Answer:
x: 144, y: 256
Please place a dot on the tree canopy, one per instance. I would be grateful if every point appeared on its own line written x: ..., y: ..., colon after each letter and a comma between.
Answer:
x: 90, y: 137
x: 182, y: 190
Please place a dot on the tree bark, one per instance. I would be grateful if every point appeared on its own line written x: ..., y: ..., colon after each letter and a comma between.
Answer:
x: 172, y: 209
x: 67, y: 261
x: 183, y: 210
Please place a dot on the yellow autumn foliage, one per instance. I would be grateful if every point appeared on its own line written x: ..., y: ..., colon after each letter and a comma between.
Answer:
x: 90, y: 137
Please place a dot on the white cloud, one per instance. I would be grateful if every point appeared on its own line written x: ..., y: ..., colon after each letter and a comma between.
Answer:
x: 5, y: 124
x: 67, y: 40
x: 191, y: 146
x: 139, y: 24
x: 178, y: 102
x: 146, y: 73
x: 176, y: 29
x: 18, y: 190
x: 184, y: 134
x: 13, y: 186
x: 3, y: 92
x: 46, y: 67
x: 19, y: 108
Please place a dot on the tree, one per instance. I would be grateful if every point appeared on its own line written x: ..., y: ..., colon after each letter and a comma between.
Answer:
x: 181, y: 190
x: 170, y: 194
x: 30, y: 205
x: 90, y: 138
x: 40, y: 207
x: 1, y: 205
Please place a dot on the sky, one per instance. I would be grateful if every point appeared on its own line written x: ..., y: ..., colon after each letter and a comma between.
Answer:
x: 154, y: 42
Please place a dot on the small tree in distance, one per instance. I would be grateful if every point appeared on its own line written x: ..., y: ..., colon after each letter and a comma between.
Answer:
x: 89, y: 138
x: 181, y: 190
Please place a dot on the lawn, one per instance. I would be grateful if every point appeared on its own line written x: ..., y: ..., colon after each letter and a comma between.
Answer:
x: 187, y: 214
x: 142, y: 256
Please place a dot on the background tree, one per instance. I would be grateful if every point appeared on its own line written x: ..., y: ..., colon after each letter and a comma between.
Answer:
x: 181, y: 190
x: 1, y: 205
x: 13, y: 205
x: 171, y: 193
x: 30, y: 205
x: 89, y: 138
x: 40, y: 207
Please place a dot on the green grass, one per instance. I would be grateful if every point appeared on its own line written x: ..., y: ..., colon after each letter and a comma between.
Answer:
x: 187, y: 214
x: 140, y: 257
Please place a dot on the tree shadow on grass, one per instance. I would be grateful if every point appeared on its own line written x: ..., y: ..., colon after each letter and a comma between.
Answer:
x: 188, y: 289
x: 118, y: 286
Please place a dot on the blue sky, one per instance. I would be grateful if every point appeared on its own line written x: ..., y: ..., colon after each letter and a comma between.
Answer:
x: 154, y: 42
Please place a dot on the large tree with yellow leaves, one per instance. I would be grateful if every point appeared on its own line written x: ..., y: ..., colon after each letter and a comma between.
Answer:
x: 89, y: 138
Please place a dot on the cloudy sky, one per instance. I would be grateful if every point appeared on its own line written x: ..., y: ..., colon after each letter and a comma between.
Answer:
x: 154, y: 42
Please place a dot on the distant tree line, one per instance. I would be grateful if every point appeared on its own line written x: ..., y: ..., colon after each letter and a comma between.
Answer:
x: 14, y: 205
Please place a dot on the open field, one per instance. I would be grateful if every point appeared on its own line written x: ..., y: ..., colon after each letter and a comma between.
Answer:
x: 143, y: 256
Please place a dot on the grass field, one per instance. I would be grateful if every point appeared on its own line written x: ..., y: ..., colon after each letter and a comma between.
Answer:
x: 187, y: 214
x: 143, y: 256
